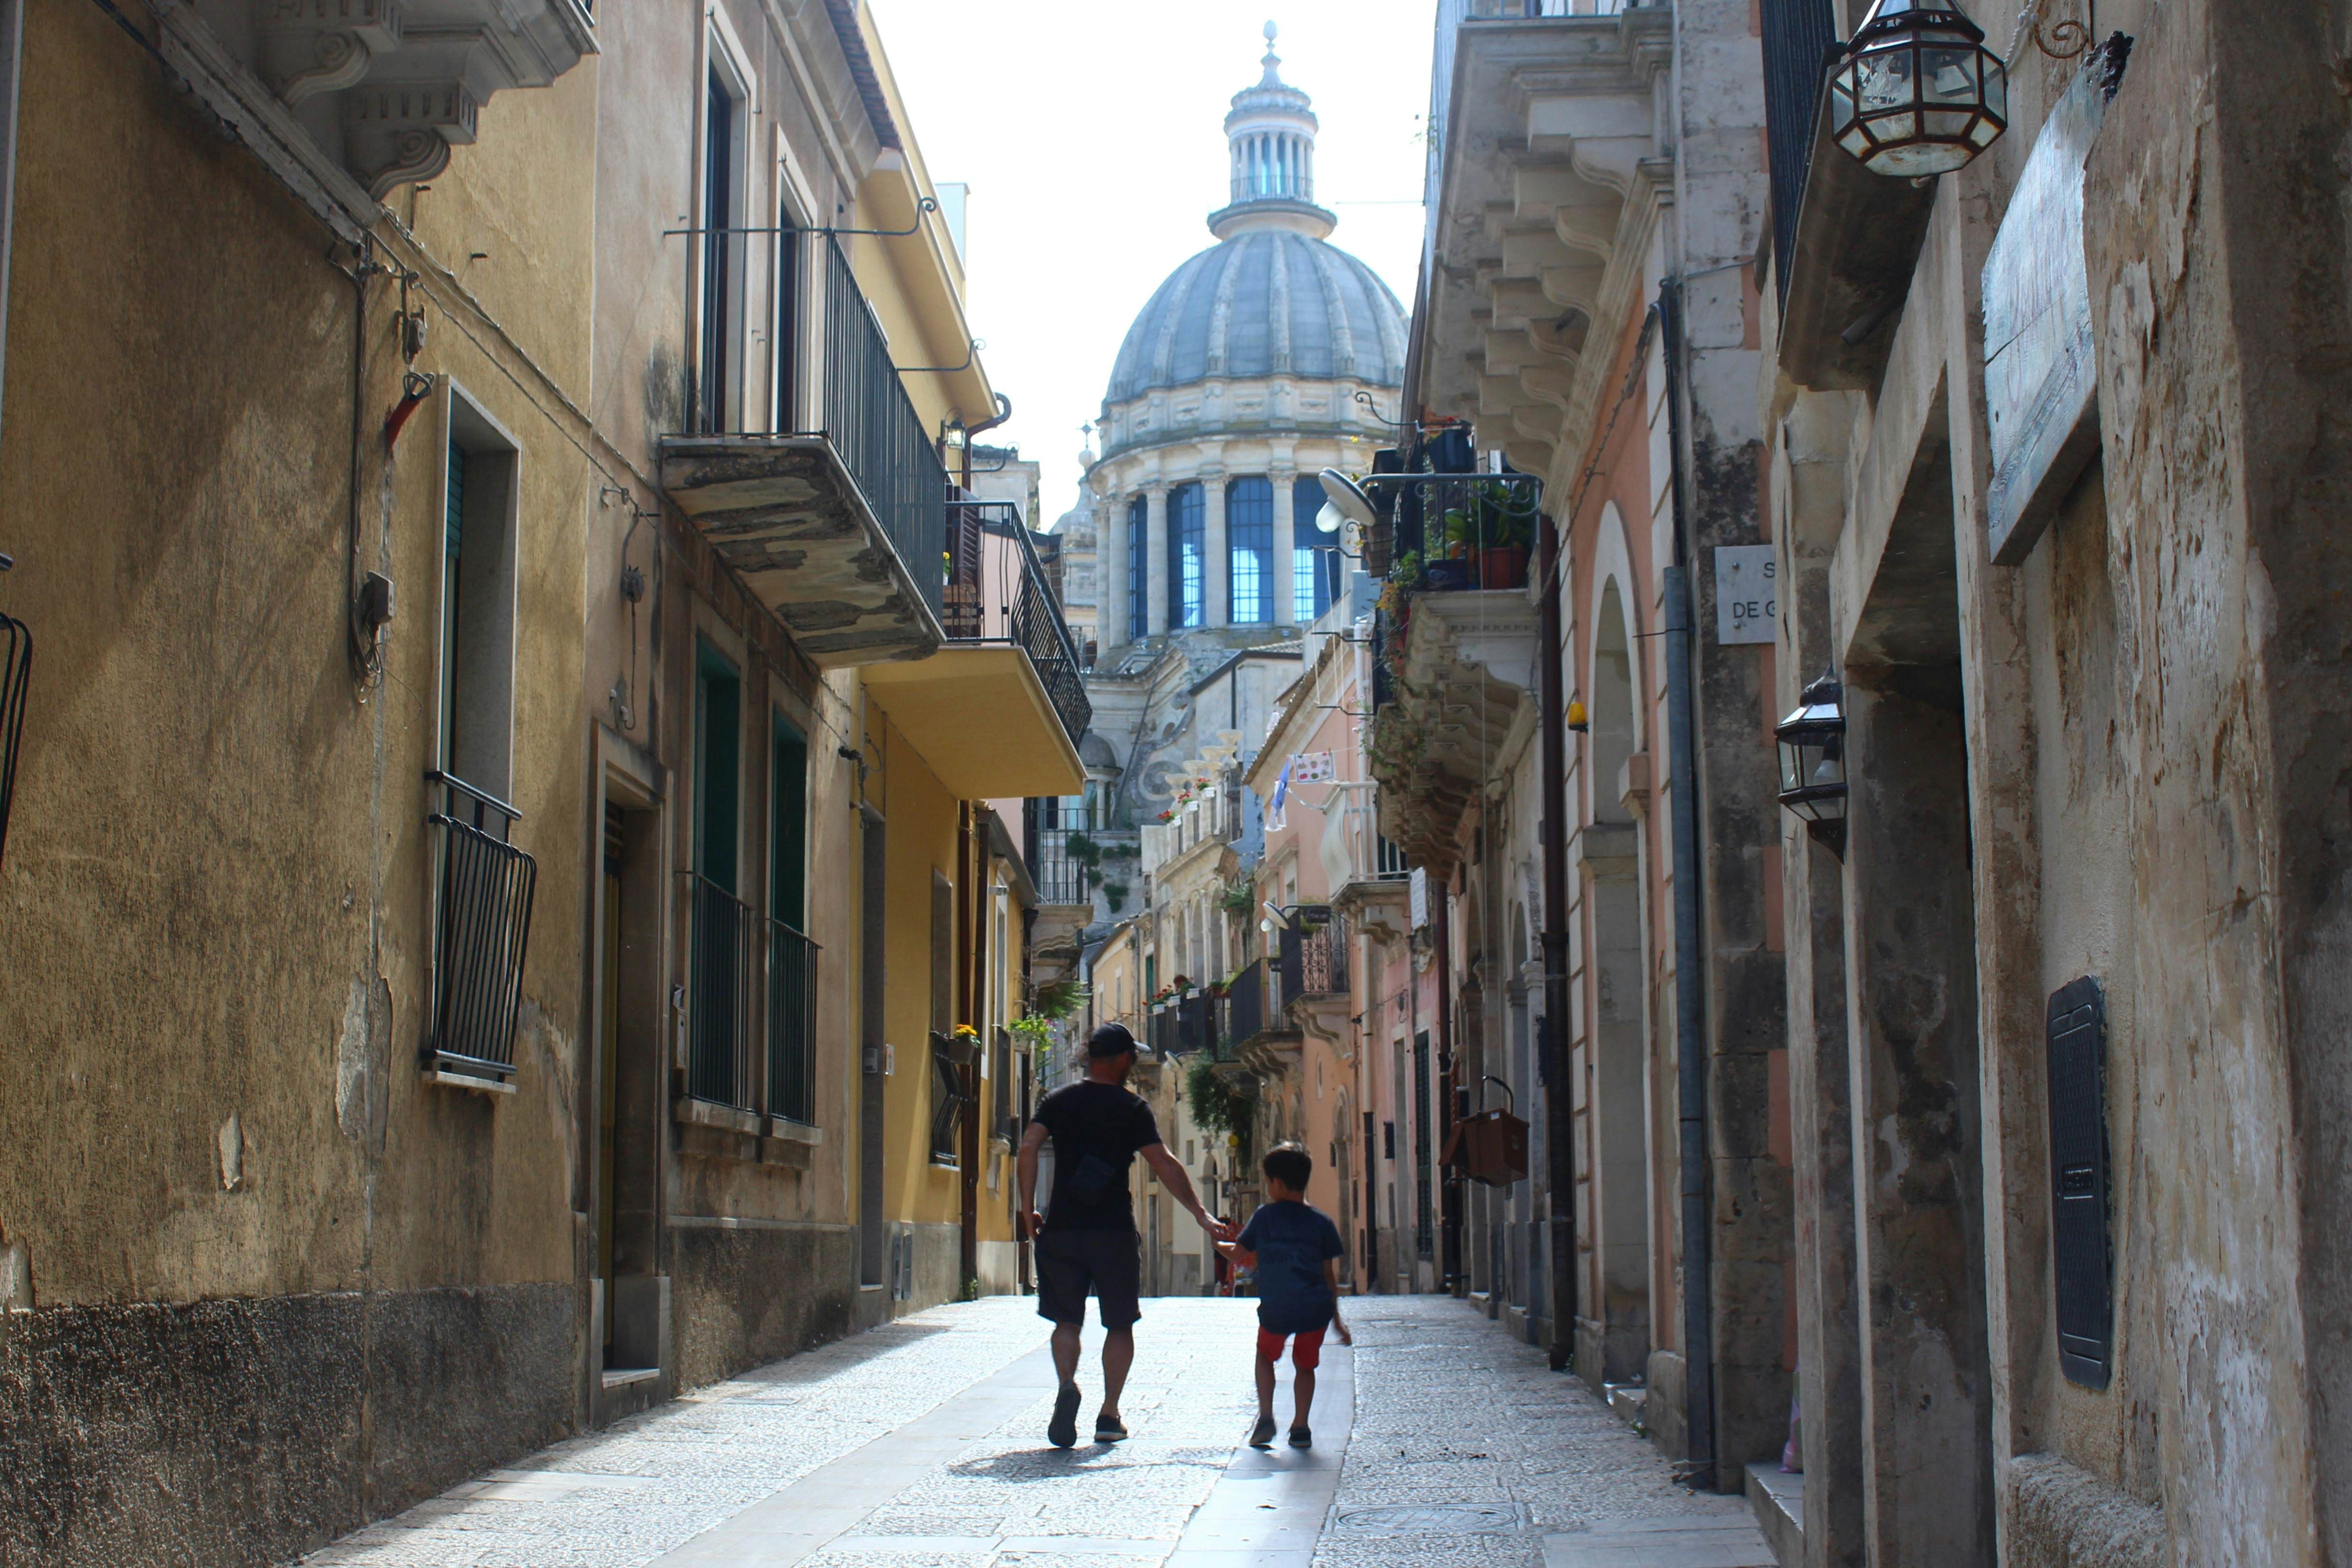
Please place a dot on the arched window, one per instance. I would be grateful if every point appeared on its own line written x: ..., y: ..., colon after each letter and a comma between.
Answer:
x: 1315, y: 555
x: 1249, y: 536
x: 1138, y: 555
x: 1187, y: 557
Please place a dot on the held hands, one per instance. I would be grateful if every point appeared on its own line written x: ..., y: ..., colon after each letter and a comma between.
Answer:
x: 1220, y: 1230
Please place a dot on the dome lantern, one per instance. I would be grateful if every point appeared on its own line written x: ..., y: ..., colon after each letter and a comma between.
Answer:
x: 1270, y: 132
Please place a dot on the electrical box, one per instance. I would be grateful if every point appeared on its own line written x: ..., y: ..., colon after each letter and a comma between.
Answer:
x: 2078, y: 1182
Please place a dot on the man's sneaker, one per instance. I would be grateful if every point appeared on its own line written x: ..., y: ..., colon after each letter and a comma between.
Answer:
x: 1300, y: 1438
x: 1109, y: 1429
x: 1262, y: 1435
x: 1062, y: 1431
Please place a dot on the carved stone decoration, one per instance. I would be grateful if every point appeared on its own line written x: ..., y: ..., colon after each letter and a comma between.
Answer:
x: 402, y: 131
x: 311, y: 46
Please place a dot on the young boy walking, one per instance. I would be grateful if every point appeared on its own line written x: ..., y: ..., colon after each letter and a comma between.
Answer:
x: 1296, y: 1249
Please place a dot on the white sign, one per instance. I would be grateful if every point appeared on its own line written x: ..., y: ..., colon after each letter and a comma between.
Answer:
x: 1419, y: 884
x: 1745, y: 608
x: 1312, y: 767
x: 2041, y: 369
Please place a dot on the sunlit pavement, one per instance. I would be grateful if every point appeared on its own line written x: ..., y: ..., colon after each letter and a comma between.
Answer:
x: 1438, y: 1441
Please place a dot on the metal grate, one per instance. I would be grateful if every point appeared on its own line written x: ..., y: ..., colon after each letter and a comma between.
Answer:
x: 2078, y: 1181
x: 487, y: 885
x: 720, y: 996
x: 947, y: 1100
x: 792, y: 1023
x: 1798, y: 37
x: 1016, y: 604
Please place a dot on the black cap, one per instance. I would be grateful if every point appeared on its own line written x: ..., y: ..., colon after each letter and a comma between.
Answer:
x: 1111, y: 1040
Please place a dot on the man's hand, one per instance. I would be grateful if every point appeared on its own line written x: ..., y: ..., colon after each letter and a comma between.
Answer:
x: 1032, y: 1223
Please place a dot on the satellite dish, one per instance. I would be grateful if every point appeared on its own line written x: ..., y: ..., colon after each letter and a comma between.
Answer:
x: 1328, y: 519
x: 1349, y: 497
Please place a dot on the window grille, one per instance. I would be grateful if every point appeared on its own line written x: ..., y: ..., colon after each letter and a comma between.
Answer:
x: 1139, y: 548
x: 720, y: 996
x: 1249, y: 544
x: 484, y: 920
x: 1187, y: 556
x: 1798, y: 36
x: 948, y: 1098
x: 792, y: 1023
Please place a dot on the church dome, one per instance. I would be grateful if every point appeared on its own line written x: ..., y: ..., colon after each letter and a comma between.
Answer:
x: 1272, y: 298
x: 1264, y: 302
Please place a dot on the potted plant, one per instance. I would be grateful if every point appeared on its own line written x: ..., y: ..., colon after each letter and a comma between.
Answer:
x: 1508, y: 529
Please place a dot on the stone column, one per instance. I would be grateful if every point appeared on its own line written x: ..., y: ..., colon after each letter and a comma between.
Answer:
x: 1110, y: 570
x: 1216, y: 567
x: 1279, y: 582
x: 1911, y: 1004
x: 1155, y: 560
x: 1612, y: 1335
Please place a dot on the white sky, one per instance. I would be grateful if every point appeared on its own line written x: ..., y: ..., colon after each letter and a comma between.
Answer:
x: 1092, y: 138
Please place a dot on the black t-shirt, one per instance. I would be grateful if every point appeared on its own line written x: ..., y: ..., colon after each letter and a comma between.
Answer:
x: 1097, y: 1129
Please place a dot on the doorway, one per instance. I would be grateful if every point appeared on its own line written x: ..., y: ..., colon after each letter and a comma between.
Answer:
x: 632, y: 1290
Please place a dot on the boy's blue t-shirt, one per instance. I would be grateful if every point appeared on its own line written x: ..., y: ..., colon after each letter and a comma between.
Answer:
x: 1292, y: 1240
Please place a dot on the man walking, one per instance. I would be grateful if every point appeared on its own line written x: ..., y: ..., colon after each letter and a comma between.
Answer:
x: 1088, y: 1240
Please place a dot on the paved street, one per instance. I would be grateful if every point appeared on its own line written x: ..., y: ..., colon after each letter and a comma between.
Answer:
x: 1439, y: 1440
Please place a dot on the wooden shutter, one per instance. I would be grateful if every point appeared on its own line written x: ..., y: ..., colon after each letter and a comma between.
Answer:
x: 2078, y: 1182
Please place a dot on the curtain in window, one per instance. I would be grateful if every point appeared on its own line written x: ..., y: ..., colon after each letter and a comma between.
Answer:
x: 1249, y: 536
x: 1187, y: 557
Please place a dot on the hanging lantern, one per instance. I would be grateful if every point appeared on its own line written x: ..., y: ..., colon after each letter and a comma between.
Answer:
x: 1812, y: 755
x: 1918, y: 92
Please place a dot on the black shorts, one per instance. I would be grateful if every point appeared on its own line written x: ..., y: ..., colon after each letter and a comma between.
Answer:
x: 1108, y: 1264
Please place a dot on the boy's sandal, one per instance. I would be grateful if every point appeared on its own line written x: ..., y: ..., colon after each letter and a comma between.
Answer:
x: 1262, y: 1435
x: 1109, y: 1430
x: 1300, y: 1438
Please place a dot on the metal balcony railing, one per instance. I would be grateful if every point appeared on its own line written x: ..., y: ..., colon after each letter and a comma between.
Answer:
x: 482, y: 931
x: 865, y: 411
x: 1065, y: 850
x: 1313, y: 954
x: 1245, y: 1008
x: 792, y: 1023
x: 15, y: 675
x: 720, y: 995
x: 1798, y: 37
x: 1470, y: 531
x: 1002, y: 596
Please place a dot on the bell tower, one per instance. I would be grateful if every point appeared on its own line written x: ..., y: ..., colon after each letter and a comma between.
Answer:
x: 1270, y: 131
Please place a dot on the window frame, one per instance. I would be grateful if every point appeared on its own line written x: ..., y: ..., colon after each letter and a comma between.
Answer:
x: 1188, y: 524
x: 1249, y: 511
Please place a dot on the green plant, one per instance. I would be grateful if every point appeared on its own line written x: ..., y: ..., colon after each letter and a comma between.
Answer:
x: 1036, y: 1034
x: 1239, y: 898
x: 1059, y: 998
x: 1116, y: 892
x: 1405, y: 570
x: 1217, y: 1104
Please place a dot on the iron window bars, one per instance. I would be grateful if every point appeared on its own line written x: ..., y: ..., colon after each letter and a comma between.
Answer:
x: 15, y: 675
x: 948, y: 1098
x: 792, y: 1023
x: 1064, y: 855
x: 487, y: 885
x: 720, y: 995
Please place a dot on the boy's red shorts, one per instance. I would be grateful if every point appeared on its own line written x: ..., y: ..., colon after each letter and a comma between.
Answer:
x: 1306, y: 1350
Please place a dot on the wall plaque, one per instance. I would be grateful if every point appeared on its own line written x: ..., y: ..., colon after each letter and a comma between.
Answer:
x: 2041, y: 366
x: 1745, y: 611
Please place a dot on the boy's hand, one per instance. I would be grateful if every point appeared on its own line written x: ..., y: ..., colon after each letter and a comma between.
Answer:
x: 1345, y: 1337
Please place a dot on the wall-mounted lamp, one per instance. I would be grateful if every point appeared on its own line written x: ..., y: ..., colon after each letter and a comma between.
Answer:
x: 1578, y: 720
x: 1918, y: 93
x: 1812, y: 760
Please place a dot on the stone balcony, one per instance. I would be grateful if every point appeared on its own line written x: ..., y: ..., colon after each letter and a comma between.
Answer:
x: 1461, y: 706
x: 1549, y: 131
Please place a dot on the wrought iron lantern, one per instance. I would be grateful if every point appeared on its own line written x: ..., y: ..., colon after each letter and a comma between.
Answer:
x: 1813, y: 758
x: 1918, y: 93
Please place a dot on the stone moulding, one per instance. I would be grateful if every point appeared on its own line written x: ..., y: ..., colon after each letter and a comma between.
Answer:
x: 784, y: 514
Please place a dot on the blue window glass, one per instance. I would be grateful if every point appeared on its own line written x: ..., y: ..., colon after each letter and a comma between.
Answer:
x: 1315, y: 560
x: 1139, y: 548
x: 1249, y: 541
x: 1188, y: 544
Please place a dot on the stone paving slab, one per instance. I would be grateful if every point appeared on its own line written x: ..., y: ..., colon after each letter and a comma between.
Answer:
x: 1441, y: 1441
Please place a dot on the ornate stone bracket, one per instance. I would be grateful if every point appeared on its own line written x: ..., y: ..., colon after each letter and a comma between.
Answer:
x: 402, y: 131
x: 311, y: 46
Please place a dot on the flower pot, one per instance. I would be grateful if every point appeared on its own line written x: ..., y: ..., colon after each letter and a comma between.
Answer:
x: 1448, y: 576
x: 1503, y: 567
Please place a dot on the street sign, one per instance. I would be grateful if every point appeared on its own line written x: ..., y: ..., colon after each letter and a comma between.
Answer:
x: 1745, y: 608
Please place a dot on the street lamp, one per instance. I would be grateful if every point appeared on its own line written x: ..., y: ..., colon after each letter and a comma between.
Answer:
x: 1812, y: 760
x: 1918, y: 93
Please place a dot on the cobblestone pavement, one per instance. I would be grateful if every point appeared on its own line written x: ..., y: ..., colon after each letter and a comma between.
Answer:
x: 1439, y: 1440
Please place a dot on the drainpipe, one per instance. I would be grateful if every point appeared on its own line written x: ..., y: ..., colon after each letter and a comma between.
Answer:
x: 12, y: 66
x: 971, y: 433
x: 1559, y: 1099
x: 1690, y: 981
